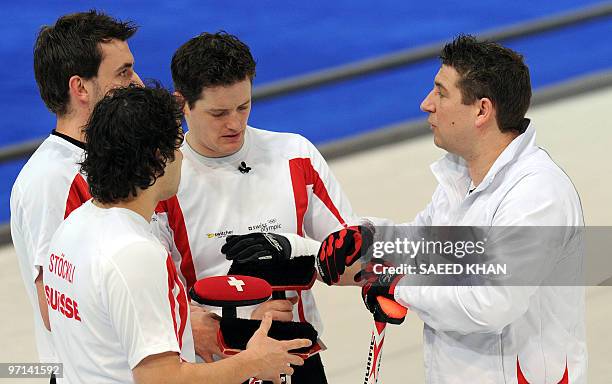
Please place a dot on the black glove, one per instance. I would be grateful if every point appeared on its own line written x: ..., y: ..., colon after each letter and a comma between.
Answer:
x: 256, y: 247
x: 378, y: 297
x: 341, y: 249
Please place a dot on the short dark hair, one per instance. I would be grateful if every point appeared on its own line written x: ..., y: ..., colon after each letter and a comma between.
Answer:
x: 487, y: 69
x: 210, y: 60
x: 131, y: 134
x: 71, y: 47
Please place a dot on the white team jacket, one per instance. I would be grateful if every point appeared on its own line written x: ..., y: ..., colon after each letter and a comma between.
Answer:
x: 289, y: 189
x: 502, y: 334
x: 47, y: 190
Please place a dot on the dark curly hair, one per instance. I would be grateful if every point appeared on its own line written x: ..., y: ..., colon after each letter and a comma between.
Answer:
x: 489, y: 70
x: 210, y: 60
x: 131, y: 134
x: 71, y: 47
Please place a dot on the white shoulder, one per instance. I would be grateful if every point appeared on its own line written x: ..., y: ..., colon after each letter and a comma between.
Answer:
x: 132, y: 260
x: 284, y: 141
x: 541, y: 194
x: 49, y: 168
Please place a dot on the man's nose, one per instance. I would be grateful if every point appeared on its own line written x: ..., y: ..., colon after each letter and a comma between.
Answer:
x: 136, y: 80
x: 427, y: 105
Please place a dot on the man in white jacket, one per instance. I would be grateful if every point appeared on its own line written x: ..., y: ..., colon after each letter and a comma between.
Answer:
x: 117, y: 309
x: 493, y: 176
x: 76, y: 61
x: 241, y: 180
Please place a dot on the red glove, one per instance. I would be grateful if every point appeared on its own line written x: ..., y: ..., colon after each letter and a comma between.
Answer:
x: 379, y: 298
x: 341, y: 249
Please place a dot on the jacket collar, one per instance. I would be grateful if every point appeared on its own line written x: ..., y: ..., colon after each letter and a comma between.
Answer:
x: 451, y: 171
x: 69, y: 139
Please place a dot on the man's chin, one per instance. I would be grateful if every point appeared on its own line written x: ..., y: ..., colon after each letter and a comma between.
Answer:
x: 232, y: 147
x: 438, y: 142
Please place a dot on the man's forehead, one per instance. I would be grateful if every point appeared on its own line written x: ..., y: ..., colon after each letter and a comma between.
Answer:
x: 218, y: 103
x: 226, y: 96
x: 446, y: 76
x: 116, y: 50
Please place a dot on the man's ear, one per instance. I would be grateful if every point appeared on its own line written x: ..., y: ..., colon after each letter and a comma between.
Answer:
x: 78, y: 90
x: 182, y: 102
x: 486, y: 112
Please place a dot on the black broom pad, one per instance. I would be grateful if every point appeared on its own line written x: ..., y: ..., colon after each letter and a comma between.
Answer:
x: 298, y: 272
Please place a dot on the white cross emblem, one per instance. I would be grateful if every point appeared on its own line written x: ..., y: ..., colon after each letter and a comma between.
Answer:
x: 234, y: 282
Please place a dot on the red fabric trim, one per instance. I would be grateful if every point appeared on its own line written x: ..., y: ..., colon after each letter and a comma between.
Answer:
x: 298, y: 181
x: 321, y: 192
x: 300, y: 304
x: 303, y: 174
x: 565, y: 378
x: 183, y: 306
x: 77, y: 195
x: 177, y: 223
x: 171, y: 271
x: 181, y: 298
x: 521, y: 378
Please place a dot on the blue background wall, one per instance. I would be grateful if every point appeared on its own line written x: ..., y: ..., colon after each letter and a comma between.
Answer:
x: 290, y: 38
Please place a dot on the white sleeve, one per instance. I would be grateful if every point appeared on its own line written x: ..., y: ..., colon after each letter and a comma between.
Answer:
x: 160, y: 227
x: 139, y: 301
x: 533, y: 201
x: 422, y: 219
x: 302, y: 246
x: 37, y: 215
x: 387, y: 230
x: 328, y: 207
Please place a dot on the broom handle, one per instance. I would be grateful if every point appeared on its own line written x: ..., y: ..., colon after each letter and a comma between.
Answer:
x: 375, y: 353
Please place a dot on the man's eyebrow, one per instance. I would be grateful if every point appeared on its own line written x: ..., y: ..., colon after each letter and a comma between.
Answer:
x: 124, y: 66
x: 439, y: 85
x: 227, y: 109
